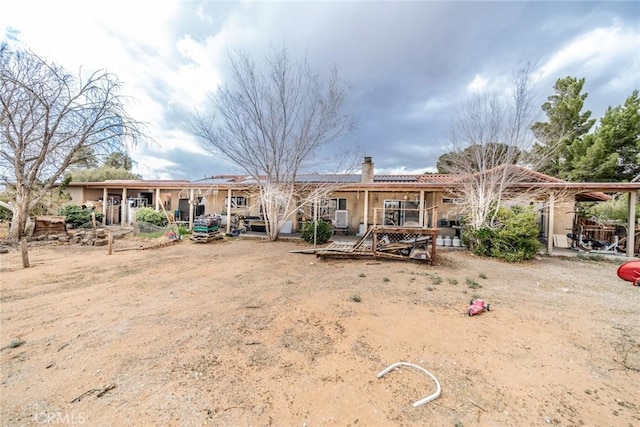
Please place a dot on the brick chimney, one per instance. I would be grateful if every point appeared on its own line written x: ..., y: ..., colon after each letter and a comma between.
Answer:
x: 367, y: 170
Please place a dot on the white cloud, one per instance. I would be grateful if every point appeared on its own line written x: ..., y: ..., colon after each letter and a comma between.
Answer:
x: 404, y: 171
x: 151, y: 167
x: 134, y: 41
x: 169, y: 54
x: 178, y: 138
x: 593, y: 52
x: 478, y: 84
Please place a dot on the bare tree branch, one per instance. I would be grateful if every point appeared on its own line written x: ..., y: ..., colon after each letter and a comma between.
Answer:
x: 491, y: 140
x: 47, y: 118
x: 272, y: 123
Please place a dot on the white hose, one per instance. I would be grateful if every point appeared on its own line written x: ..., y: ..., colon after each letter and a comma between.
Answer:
x: 421, y: 401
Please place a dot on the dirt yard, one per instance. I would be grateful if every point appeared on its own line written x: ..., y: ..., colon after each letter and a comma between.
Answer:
x: 245, y: 333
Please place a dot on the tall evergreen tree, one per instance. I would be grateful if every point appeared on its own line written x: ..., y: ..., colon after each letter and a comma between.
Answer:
x: 119, y: 160
x: 117, y: 165
x: 566, y: 124
x: 612, y: 152
x: 477, y: 159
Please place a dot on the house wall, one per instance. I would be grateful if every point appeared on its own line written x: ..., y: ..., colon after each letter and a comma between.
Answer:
x: 356, y: 205
x: 76, y: 194
x: 91, y: 195
x: 563, y: 217
x: 214, y: 203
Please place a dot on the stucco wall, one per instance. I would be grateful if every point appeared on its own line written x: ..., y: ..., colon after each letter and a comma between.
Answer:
x: 77, y: 195
x: 563, y: 217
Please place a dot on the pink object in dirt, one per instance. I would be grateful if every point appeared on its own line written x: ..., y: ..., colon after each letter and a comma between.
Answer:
x: 477, y: 306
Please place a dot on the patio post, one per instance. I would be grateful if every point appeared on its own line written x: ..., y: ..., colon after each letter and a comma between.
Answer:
x: 550, y: 218
x: 366, y: 210
x: 631, y: 224
x: 421, y: 210
x: 229, y: 211
x: 158, y: 199
x: 105, y: 197
x: 124, y: 208
x: 191, y: 208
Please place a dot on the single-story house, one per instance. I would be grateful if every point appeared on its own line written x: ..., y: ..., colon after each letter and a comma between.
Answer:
x: 355, y: 202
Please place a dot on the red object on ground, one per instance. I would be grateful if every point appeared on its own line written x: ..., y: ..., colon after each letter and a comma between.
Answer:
x: 477, y: 306
x: 630, y: 271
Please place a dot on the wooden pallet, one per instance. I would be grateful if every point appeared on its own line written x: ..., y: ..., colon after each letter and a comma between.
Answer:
x: 413, y: 249
x: 206, y: 237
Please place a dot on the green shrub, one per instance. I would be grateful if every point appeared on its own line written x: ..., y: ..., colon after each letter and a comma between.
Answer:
x: 183, y: 230
x: 76, y: 216
x: 517, y: 237
x: 513, y: 238
x: 472, y: 283
x: 480, y: 240
x: 609, y: 212
x: 323, y: 232
x: 151, y: 216
x: 5, y: 214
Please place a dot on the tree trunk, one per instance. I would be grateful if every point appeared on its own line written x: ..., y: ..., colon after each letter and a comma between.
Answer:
x: 25, y: 253
x: 14, y: 228
x: 18, y: 230
x: 272, y: 227
x: 273, y: 235
x: 21, y: 224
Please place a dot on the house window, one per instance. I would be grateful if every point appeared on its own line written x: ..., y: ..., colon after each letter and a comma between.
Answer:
x: 236, y: 201
x: 328, y: 207
x: 401, y: 212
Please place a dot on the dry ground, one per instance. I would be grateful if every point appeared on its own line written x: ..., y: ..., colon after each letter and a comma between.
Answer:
x: 242, y: 332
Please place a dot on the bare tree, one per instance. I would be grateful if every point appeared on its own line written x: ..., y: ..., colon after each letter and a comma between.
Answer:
x: 272, y: 122
x: 47, y: 119
x: 491, y: 138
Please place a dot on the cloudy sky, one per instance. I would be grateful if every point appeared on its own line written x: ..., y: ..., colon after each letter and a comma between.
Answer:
x: 408, y: 65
